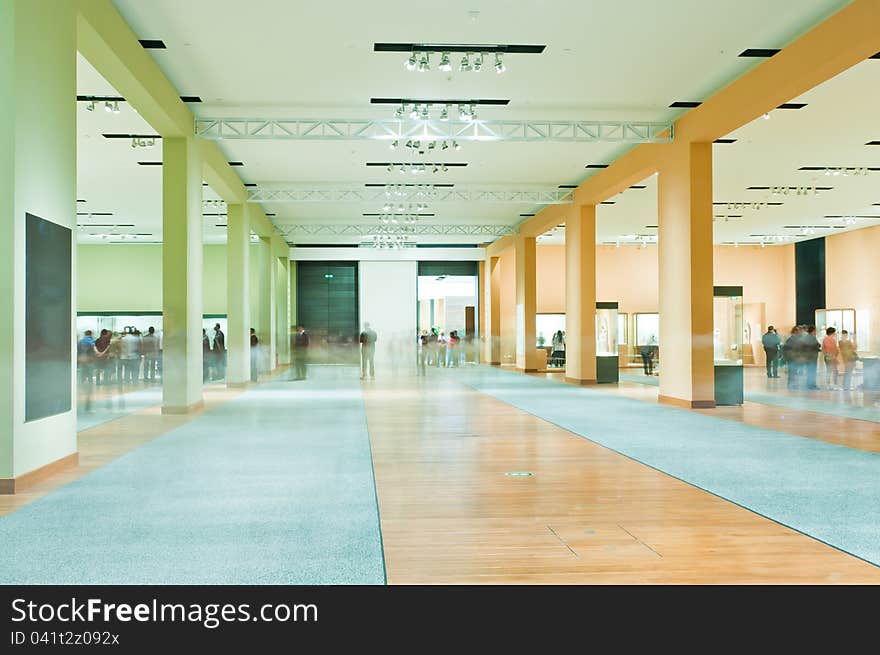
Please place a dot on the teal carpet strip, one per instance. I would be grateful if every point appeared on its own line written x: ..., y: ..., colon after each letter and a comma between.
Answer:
x: 273, y: 487
x: 803, y: 402
x: 829, y: 492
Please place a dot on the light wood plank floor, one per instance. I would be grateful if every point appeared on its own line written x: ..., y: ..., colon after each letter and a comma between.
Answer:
x: 588, y: 515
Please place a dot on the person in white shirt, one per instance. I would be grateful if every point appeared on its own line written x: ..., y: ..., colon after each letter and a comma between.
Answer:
x: 130, y: 356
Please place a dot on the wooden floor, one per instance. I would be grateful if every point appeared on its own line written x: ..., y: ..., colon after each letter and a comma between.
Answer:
x: 450, y: 514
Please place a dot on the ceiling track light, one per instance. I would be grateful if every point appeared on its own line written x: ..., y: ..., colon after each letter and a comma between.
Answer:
x: 478, y: 63
x: 445, y: 65
x: 90, y: 106
x: 424, y: 63
x: 410, y: 64
x: 499, y: 64
x: 465, y: 65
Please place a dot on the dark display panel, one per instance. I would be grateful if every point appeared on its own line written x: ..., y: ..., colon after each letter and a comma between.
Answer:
x: 48, y: 316
x: 809, y: 274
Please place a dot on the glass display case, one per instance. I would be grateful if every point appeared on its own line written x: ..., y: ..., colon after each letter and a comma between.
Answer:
x: 727, y: 344
x: 647, y: 330
x: 840, y: 319
x: 607, y: 362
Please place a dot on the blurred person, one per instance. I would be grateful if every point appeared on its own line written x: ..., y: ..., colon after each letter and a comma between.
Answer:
x: 772, y: 343
x: 102, y: 348
x: 442, y: 341
x: 424, y: 346
x: 811, y: 349
x: 300, y: 352
x: 129, y: 355
x: 830, y: 355
x: 557, y: 348
x: 150, y: 349
x: 367, y: 340
x: 791, y: 357
x: 206, y: 356
x: 849, y: 356
x: 255, y: 356
x: 86, y: 356
x: 219, y: 351
x: 433, y: 347
x: 452, y: 350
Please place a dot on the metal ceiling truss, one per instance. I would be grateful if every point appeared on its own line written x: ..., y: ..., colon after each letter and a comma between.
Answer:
x: 310, y: 129
x: 420, y: 229
x: 418, y: 192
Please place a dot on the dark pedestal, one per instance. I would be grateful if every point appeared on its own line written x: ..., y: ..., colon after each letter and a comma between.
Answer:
x: 728, y: 385
x: 607, y: 369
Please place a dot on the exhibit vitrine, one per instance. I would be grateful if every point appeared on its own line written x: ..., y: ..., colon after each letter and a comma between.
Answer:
x: 607, y: 362
x: 727, y: 344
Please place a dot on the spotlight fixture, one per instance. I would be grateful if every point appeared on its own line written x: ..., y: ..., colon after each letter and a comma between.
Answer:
x: 393, y: 145
x: 111, y: 107
x: 445, y: 66
x: 456, y: 145
x: 465, y: 65
x: 90, y: 106
x: 444, y: 145
x: 444, y: 113
x: 414, y: 112
x: 410, y: 64
x: 478, y: 63
x: 499, y: 64
x: 766, y: 116
x: 424, y: 63
x: 399, y: 112
x: 424, y: 114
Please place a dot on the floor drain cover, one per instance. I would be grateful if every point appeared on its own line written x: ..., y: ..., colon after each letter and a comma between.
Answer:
x: 518, y: 474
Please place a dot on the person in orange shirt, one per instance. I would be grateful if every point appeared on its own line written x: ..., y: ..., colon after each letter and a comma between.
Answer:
x: 831, y: 355
x: 849, y: 355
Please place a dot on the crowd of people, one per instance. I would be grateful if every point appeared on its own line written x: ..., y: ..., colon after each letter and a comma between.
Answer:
x: 119, y: 357
x: 801, y: 351
x: 436, y: 348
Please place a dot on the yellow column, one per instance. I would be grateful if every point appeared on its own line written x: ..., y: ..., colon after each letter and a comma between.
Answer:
x: 580, y: 295
x: 687, y: 374
x: 181, y: 275
x: 238, y: 239
x: 526, y: 304
x: 37, y: 177
x: 493, y: 354
x: 267, y: 301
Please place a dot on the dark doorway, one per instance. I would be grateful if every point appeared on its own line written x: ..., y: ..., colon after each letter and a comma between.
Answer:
x: 327, y: 306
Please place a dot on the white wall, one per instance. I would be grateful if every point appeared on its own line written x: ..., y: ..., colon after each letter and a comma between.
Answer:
x: 388, y: 303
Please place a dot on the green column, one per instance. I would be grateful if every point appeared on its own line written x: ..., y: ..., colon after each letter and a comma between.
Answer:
x: 37, y: 176
x: 181, y: 275
x: 238, y: 238
x: 282, y: 309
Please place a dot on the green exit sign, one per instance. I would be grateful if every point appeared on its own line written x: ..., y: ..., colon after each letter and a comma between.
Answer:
x: 328, y: 276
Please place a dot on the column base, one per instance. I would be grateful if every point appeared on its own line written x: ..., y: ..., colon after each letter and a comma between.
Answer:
x: 183, y: 409
x: 686, y: 404
x: 580, y: 382
x: 494, y: 363
x: 526, y: 370
x: 238, y: 385
x: 10, y: 486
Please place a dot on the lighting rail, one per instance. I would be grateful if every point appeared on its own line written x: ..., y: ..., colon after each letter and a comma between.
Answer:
x: 379, y: 194
x: 309, y: 129
x: 422, y: 229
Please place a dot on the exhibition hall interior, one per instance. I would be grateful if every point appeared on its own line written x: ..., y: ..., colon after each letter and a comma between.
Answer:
x: 481, y: 293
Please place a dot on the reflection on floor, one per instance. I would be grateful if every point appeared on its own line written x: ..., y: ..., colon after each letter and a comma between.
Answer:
x: 829, y: 492
x: 273, y: 486
x: 475, y: 490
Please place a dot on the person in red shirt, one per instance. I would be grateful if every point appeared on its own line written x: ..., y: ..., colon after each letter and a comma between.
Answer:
x: 831, y: 355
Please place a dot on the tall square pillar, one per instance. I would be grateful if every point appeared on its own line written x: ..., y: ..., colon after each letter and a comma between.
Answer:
x: 687, y: 376
x: 493, y: 312
x: 580, y: 295
x: 181, y: 275
x: 37, y: 178
x: 238, y: 324
x: 282, y: 310
x: 526, y: 304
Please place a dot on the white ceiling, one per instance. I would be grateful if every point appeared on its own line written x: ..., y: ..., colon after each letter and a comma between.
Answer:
x: 608, y: 60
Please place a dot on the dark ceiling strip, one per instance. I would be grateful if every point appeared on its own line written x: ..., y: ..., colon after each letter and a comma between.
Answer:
x: 823, y: 168
x: 685, y: 103
x: 131, y: 136
x: 250, y: 184
x: 875, y: 56
x: 94, y: 213
x: 80, y: 200
x: 750, y: 202
x: 638, y: 186
x: 596, y: 166
x: 149, y: 163
x: 568, y: 186
x: 758, y: 52
x: 100, y: 99
x: 391, y: 214
x: 381, y: 184
x: 414, y: 163
x: 873, y: 143
x: 725, y: 141
x: 191, y: 98
x: 608, y: 202
x: 235, y: 163
x: 152, y: 44
x: 458, y: 47
x: 792, y: 105
x: 525, y: 215
x: 438, y: 101
x: 790, y: 188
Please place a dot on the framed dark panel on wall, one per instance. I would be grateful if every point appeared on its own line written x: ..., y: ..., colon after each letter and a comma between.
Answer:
x: 48, y: 317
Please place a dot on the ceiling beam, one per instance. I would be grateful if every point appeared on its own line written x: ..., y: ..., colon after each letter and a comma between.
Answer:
x: 412, y: 193
x: 841, y: 41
